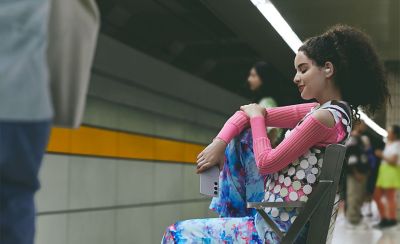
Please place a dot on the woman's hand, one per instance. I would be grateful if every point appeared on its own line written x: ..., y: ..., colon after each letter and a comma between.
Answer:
x: 213, y: 154
x: 391, y: 160
x: 253, y: 110
x: 359, y: 176
x: 379, y: 153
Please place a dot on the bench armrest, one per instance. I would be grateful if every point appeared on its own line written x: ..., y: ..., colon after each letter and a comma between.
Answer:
x: 258, y: 205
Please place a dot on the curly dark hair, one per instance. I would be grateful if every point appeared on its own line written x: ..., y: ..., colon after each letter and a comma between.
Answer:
x: 358, y: 72
x: 269, y: 82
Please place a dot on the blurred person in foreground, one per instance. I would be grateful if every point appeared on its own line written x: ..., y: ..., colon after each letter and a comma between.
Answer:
x: 31, y: 33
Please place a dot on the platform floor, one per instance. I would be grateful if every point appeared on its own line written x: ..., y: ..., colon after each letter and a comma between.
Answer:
x: 365, y: 233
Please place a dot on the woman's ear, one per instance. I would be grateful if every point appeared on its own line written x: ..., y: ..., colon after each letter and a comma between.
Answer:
x: 329, y: 69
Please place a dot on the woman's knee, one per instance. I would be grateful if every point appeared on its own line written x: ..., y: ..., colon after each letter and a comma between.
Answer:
x: 168, y: 236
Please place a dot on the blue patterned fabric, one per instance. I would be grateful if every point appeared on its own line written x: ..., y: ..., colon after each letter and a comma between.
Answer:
x: 240, y: 181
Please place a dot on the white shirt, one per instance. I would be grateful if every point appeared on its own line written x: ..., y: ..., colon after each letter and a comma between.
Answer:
x: 392, y: 149
x: 24, y: 81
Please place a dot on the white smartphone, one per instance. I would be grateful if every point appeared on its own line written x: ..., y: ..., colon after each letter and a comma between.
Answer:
x: 209, y: 182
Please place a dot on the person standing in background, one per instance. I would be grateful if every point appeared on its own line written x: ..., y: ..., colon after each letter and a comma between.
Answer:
x: 263, y: 83
x: 373, y: 166
x: 388, y: 178
x: 357, y: 173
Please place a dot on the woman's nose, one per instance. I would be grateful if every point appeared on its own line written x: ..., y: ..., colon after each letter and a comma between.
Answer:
x: 296, y: 79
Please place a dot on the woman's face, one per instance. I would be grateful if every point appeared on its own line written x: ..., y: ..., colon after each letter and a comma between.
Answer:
x: 254, y: 80
x: 391, y: 136
x: 309, y: 78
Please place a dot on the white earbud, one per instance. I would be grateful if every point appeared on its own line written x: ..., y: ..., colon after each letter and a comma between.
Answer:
x: 327, y: 70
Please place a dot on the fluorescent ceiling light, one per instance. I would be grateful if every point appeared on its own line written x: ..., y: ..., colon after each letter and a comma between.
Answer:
x: 278, y: 22
x: 273, y: 16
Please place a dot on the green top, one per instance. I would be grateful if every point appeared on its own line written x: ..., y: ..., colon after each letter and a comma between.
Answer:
x: 268, y: 102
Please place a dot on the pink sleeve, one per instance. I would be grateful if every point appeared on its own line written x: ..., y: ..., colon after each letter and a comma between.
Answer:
x: 302, y: 138
x: 281, y: 117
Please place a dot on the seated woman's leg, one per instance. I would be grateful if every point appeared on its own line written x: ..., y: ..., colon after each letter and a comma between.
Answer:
x: 240, y: 181
x: 214, y: 230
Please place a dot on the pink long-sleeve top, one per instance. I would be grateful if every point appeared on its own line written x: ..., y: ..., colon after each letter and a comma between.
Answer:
x: 309, y: 133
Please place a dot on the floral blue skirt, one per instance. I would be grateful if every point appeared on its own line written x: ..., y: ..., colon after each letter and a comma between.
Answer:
x: 240, y: 182
x: 214, y: 230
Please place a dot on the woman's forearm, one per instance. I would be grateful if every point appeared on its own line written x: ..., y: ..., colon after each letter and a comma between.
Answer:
x: 287, y: 116
x: 233, y: 126
x: 270, y: 160
x: 280, y: 117
x: 390, y: 160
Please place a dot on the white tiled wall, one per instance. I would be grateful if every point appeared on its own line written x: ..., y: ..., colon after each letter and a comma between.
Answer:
x: 135, y: 182
x: 393, y: 112
x: 134, y: 186
x: 89, y: 200
x: 92, y: 182
x: 54, y: 177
